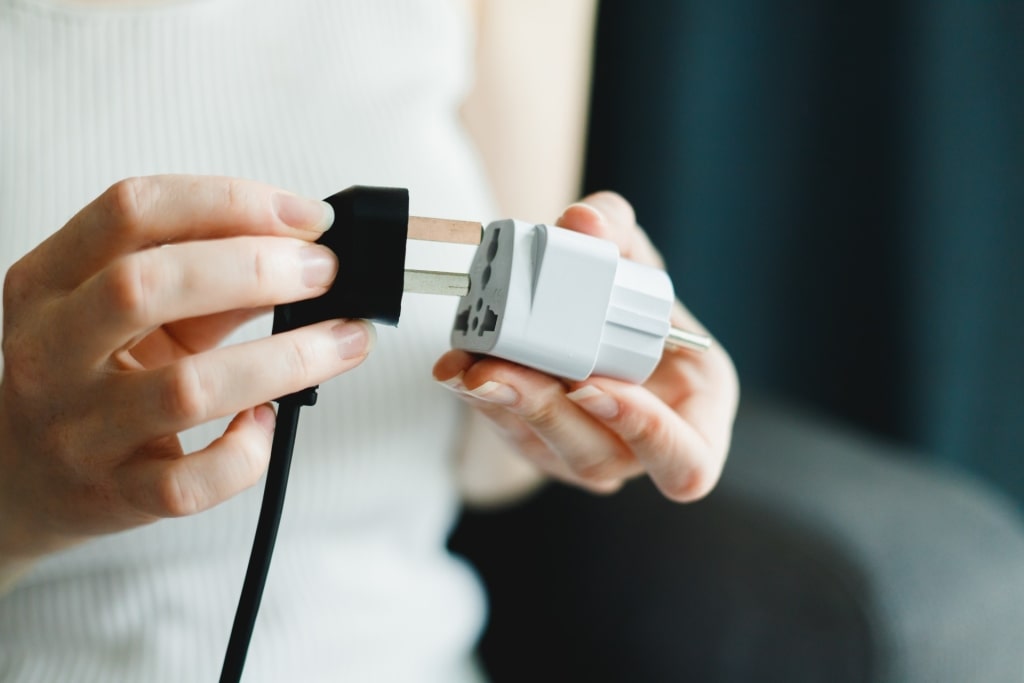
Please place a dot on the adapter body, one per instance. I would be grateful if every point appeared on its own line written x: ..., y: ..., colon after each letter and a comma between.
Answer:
x: 564, y: 303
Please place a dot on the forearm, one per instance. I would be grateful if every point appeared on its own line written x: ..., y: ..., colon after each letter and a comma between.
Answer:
x: 527, y: 110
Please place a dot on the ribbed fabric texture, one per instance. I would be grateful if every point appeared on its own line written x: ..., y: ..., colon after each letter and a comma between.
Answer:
x: 312, y: 96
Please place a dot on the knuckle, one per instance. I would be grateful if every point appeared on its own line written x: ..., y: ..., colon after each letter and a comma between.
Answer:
x: 261, y: 267
x: 300, y: 359
x: 173, y: 497
x: 639, y: 425
x: 543, y: 415
x: 127, y: 285
x: 235, y: 197
x: 131, y: 286
x: 252, y: 457
x: 128, y: 202
x: 184, y: 396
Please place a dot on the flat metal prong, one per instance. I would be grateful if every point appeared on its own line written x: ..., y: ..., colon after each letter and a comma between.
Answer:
x: 681, y: 339
x: 436, y: 282
x: 444, y: 230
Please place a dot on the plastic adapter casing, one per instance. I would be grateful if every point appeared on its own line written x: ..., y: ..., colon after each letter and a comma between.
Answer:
x: 564, y: 303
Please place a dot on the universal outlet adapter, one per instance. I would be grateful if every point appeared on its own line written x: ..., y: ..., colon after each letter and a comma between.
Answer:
x: 567, y: 304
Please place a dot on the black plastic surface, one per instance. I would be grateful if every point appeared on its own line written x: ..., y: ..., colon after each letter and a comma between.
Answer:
x: 370, y: 228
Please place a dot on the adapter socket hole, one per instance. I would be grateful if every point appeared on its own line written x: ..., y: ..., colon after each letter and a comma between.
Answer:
x: 479, y: 304
x: 486, y: 276
x: 492, y: 248
x: 462, y: 322
x: 490, y: 321
x: 476, y: 322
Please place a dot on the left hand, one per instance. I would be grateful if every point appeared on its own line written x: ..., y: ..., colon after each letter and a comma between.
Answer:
x: 600, y: 432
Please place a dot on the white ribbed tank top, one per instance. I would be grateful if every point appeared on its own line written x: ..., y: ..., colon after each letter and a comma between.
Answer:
x: 314, y: 96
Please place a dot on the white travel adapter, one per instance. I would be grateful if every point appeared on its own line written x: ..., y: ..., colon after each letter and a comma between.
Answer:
x: 565, y: 303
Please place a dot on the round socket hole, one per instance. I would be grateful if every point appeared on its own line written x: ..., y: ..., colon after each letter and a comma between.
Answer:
x: 479, y: 304
x: 476, y: 322
x: 486, y: 276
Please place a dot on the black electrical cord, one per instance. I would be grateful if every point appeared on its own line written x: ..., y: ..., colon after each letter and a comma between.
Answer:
x: 266, y: 533
x: 368, y: 237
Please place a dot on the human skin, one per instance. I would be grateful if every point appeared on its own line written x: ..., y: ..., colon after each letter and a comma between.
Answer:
x: 111, y: 329
x: 675, y: 428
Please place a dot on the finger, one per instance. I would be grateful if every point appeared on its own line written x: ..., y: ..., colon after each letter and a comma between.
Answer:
x: 510, y: 427
x: 188, y: 337
x: 138, y: 213
x: 593, y: 453
x: 679, y: 458
x: 609, y: 216
x: 223, y: 381
x: 140, y: 291
x: 450, y: 372
x: 525, y: 440
x: 182, y: 486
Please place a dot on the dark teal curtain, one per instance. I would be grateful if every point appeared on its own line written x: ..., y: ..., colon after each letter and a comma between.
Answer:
x: 839, y: 191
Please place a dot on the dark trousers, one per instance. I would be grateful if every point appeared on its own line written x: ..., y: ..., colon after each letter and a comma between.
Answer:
x: 822, y: 556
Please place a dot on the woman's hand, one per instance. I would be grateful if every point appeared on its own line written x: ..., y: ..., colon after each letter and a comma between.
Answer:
x: 110, y: 333
x: 598, y: 433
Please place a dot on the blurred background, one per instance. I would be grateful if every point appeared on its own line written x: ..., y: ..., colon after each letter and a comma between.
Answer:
x: 839, y: 191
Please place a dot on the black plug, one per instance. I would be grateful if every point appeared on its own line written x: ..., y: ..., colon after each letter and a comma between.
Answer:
x: 371, y: 227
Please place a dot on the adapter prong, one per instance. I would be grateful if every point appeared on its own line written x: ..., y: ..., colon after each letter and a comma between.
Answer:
x: 681, y: 339
x: 444, y: 230
x: 436, y: 282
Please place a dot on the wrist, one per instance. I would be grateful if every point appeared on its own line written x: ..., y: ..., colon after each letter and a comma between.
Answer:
x: 22, y: 544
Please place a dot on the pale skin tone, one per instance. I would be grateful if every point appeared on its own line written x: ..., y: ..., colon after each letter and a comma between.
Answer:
x: 76, y: 466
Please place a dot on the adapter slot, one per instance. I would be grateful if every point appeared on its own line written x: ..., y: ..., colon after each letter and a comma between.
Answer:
x: 490, y: 322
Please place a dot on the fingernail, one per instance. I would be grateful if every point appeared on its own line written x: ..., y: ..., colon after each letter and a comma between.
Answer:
x: 496, y: 392
x: 579, y: 205
x: 354, y: 338
x: 265, y: 417
x: 454, y: 383
x: 319, y: 266
x: 595, y: 402
x: 302, y: 212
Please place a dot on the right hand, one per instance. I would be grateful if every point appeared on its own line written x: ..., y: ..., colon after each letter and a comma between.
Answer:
x: 110, y: 334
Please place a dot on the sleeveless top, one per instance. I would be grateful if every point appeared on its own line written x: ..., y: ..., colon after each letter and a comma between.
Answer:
x: 313, y: 96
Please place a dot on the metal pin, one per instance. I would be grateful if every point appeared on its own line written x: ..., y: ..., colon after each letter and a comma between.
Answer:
x: 681, y: 339
x: 444, y: 230
x: 436, y: 282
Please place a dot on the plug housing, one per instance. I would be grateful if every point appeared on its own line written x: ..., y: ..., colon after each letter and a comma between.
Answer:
x: 368, y: 237
x: 564, y: 303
